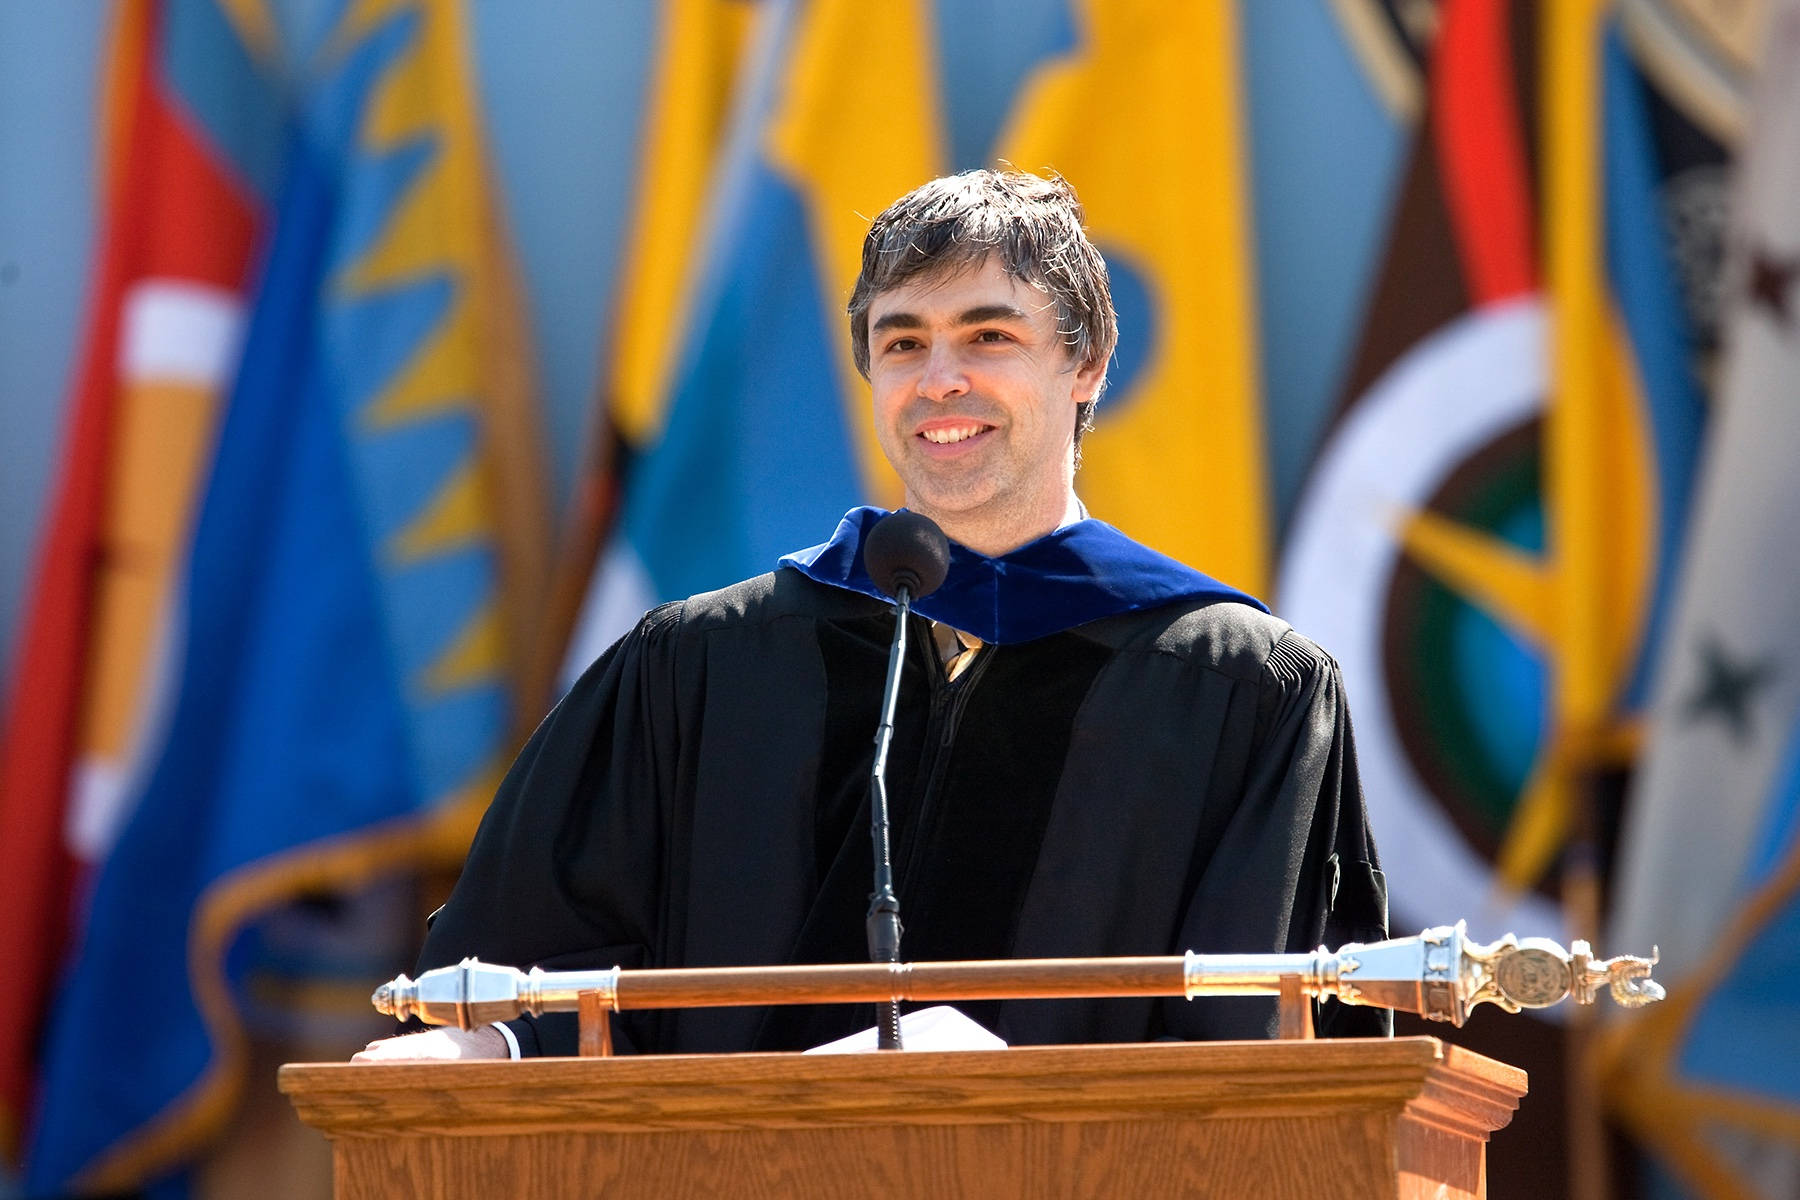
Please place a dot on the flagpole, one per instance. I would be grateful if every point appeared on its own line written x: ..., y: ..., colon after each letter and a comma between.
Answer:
x: 587, y: 526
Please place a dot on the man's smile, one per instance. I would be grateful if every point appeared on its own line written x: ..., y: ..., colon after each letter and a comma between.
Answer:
x: 951, y: 432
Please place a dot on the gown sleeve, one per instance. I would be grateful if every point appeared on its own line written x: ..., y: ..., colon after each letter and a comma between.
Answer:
x: 1297, y: 867
x: 568, y: 867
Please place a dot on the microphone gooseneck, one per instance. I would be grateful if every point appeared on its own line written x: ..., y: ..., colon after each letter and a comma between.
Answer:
x: 907, y: 556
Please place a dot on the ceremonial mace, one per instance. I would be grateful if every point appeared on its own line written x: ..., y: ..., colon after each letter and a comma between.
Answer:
x: 1440, y: 975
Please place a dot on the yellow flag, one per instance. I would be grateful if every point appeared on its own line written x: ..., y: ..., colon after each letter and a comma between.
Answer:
x: 1143, y: 119
x: 702, y: 48
x: 859, y: 126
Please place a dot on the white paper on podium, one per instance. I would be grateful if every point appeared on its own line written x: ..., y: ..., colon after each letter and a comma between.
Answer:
x: 940, y: 1027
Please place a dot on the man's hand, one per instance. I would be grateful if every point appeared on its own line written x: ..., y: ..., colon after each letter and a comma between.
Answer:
x: 436, y: 1044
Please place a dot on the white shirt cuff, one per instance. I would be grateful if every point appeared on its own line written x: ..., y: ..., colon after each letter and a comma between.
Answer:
x: 512, y: 1039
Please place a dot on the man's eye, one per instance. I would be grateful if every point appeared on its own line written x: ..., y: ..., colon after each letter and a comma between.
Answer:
x: 991, y: 335
x: 899, y: 344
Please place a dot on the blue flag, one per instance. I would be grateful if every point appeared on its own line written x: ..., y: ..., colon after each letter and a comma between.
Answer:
x: 765, y: 442
x: 341, y: 703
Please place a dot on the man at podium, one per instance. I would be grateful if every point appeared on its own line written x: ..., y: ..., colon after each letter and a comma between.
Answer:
x: 1098, y: 750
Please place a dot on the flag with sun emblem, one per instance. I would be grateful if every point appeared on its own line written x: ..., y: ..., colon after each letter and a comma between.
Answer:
x: 1711, y: 857
x: 1485, y: 531
x: 344, y: 690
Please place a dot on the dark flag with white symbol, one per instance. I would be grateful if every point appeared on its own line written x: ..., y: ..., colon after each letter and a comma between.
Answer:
x: 1711, y: 860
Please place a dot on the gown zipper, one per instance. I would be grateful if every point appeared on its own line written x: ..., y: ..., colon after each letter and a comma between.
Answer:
x: 947, y: 703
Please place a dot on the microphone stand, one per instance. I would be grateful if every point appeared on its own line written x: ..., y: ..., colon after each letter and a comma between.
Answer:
x: 883, y: 922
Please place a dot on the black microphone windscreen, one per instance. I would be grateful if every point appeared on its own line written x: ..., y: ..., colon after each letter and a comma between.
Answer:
x: 907, y: 549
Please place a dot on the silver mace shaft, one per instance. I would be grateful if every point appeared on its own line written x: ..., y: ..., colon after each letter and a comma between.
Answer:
x: 1440, y: 975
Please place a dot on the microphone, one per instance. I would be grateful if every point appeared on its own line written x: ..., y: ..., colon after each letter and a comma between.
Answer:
x: 907, y: 550
x: 907, y: 556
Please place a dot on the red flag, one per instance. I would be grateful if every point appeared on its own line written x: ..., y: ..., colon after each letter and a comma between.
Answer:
x: 172, y: 214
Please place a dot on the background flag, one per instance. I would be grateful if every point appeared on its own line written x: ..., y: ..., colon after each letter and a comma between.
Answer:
x: 343, y: 704
x: 766, y: 442
x: 1436, y: 446
x: 183, y: 210
x: 1481, y: 536
x: 705, y: 49
x: 1442, y: 547
x: 1176, y: 458
x: 1710, y: 864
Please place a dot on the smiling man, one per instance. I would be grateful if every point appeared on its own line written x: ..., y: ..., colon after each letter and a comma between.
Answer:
x: 1099, y: 750
x: 977, y: 397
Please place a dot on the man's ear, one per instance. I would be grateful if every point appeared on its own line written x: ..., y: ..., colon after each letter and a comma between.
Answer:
x: 1088, y: 376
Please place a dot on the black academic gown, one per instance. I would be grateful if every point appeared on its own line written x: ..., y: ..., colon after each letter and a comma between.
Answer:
x: 1176, y: 779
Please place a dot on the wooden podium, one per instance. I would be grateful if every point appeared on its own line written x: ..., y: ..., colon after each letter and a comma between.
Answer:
x: 1408, y: 1117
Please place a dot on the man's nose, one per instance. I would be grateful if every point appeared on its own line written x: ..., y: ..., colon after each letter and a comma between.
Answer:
x: 944, y: 377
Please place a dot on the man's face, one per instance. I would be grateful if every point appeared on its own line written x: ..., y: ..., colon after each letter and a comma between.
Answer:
x: 974, y: 397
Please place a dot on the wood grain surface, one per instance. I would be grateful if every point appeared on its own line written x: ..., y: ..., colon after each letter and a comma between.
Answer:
x: 1403, y: 1117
